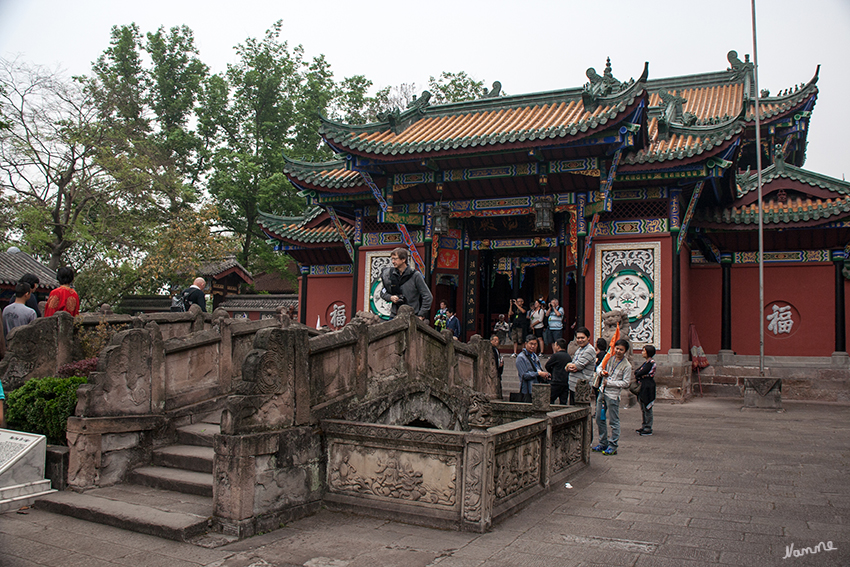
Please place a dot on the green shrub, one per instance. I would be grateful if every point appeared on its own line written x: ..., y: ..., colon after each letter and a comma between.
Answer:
x: 43, y: 406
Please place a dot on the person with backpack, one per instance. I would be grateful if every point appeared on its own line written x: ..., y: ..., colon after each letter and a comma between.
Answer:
x: 195, y: 294
x: 405, y: 286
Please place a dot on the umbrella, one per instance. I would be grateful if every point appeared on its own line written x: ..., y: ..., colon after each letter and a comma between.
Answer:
x: 698, y: 359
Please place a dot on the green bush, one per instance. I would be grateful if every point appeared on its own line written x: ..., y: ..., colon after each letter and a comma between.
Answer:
x: 43, y: 406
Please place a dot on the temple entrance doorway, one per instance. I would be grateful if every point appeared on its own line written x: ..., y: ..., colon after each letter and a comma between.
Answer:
x: 510, y: 275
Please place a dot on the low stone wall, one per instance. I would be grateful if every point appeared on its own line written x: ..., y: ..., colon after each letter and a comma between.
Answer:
x: 40, y: 348
x: 455, y: 479
x: 145, y: 387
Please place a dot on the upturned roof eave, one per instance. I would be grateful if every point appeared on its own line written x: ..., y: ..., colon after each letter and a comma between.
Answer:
x: 645, y: 160
x: 787, y: 171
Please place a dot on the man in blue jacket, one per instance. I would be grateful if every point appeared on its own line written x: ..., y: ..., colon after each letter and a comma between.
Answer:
x: 453, y: 323
x: 528, y: 367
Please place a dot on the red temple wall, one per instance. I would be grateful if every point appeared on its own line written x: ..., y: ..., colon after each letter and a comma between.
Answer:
x: 322, y: 293
x: 808, y: 288
x: 704, y: 299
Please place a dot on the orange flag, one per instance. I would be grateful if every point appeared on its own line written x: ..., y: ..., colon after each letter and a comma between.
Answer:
x: 610, y: 352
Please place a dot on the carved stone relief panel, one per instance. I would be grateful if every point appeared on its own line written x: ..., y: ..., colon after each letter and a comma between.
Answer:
x: 393, y: 474
x: 125, y: 385
x: 566, y: 446
x: 473, y: 489
x: 517, y: 467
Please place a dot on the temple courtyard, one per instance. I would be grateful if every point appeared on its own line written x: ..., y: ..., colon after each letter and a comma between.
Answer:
x: 715, y: 485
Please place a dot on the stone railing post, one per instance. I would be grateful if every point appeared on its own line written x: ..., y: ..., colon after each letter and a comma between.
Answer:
x: 361, y: 356
x: 157, y: 365
x: 300, y: 349
x: 225, y: 355
x: 479, y: 461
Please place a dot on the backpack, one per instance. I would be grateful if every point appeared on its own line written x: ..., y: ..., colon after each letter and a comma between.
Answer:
x: 180, y: 303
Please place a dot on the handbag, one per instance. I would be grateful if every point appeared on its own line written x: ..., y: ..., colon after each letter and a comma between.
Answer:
x: 597, y: 380
x: 634, y: 387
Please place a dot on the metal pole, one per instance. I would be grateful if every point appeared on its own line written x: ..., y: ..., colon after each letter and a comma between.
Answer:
x: 758, y: 169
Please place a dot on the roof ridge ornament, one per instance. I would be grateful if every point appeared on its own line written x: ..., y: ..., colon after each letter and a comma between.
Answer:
x: 600, y: 86
x: 496, y: 92
x: 421, y: 102
x: 673, y: 112
x: 779, y: 158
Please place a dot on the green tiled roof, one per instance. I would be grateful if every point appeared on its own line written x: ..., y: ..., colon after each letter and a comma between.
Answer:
x: 329, y: 174
x: 782, y: 170
x: 775, y: 212
x: 486, y: 122
x: 683, y: 142
x: 295, y: 229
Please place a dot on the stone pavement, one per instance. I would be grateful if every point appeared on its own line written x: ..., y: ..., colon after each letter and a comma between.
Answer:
x: 715, y: 485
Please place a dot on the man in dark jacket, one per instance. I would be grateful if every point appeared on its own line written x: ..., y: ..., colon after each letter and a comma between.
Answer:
x: 195, y: 294
x: 557, y: 367
x: 405, y: 286
x: 453, y: 323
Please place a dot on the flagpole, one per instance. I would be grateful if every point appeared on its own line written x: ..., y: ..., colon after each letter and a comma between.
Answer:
x: 757, y: 113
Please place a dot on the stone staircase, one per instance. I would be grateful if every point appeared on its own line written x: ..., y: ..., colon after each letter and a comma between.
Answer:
x: 170, y: 498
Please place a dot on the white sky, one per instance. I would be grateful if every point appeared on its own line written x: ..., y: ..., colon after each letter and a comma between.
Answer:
x: 530, y: 45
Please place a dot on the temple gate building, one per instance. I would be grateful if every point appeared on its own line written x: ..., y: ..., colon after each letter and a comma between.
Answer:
x: 638, y: 195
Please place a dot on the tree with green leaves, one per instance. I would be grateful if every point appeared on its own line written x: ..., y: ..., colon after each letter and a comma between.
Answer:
x: 268, y: 103
x: 52, y: 177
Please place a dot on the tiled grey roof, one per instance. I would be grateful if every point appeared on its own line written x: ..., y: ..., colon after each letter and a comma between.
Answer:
x: 213, y: 269
x: 260, y: 302
x: 15, y: 264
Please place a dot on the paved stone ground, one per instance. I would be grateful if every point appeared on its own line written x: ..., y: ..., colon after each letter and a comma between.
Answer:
x: 714, y: 486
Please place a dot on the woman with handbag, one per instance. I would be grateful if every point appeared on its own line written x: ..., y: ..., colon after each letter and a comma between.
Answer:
x: 645, y: 380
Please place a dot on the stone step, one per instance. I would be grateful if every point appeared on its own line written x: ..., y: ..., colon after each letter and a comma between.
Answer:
x: 214, y: 417
x: 188, y: 457
x: 177, y: 480
x: 140, y: 509
x: 718, y: 390
x: 201, y: 434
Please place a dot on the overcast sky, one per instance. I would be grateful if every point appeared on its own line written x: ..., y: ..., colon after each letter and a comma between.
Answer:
x: 530, y: 46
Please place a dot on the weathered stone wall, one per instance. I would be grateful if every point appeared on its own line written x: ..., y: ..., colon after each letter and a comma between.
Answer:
x: 803, y: 377
x: 40, y: 348
x: 355, y: 392
x: 37, y: 350
x: 145, y: 386
x: 264, y: 479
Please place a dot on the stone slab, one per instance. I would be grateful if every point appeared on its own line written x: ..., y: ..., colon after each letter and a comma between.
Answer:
x: 150, y: 520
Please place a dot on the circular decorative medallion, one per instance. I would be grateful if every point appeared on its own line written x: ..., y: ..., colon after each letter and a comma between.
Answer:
x: 781, y: 320
x: 336, y: 315
x: 376, y: 303
x: 629, y: 291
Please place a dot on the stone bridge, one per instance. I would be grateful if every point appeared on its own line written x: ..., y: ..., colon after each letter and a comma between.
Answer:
x: 388, y: 418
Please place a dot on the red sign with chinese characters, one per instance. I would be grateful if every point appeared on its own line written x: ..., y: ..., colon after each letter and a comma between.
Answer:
x: 336, y: 315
